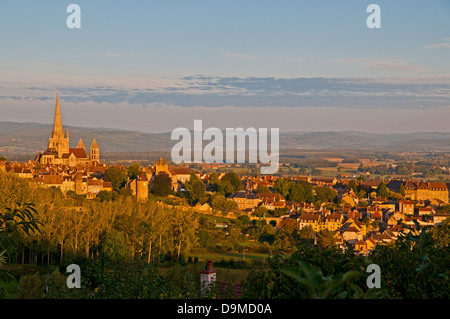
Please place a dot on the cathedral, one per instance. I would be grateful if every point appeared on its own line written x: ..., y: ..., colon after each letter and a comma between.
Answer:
x: 59, y: 152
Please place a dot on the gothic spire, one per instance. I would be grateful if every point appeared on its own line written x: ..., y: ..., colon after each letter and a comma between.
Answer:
x: 57, y: 126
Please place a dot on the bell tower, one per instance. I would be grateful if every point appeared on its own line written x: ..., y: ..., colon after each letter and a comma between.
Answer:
x: 95, y: 152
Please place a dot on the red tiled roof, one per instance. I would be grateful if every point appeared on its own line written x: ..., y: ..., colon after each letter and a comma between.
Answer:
x: 78, y: 152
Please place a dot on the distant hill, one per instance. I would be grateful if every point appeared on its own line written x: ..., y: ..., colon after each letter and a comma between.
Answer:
x: 33, y: 137
x: 30, y: 138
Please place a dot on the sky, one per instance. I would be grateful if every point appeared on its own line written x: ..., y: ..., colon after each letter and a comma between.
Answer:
x: 295, y: 65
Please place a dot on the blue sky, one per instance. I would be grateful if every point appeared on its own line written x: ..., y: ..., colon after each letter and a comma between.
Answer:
x: 297, y: 65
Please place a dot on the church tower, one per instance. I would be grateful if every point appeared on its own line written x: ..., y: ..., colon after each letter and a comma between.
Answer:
x: 95, y: 152
x: 57, y: 142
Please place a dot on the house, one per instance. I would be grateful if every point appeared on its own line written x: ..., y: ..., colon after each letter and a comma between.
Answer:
x: 333, y: 221
x: 271, y: 201
x: 139, y: 186
x: 308, y: 219
x: 422, y: 191
x: 395, y: 218
x: 350, y: 199
x: 245, y: 200
x: 352, y: 235
x: 364, y: 246
x: 439, y: 218
x: 406, y: 207
x: 350, y: 222
x: 425, y: 211
x: 178, y: 174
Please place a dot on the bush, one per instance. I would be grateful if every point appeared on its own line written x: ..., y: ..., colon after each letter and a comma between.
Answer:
x: 30, y: 287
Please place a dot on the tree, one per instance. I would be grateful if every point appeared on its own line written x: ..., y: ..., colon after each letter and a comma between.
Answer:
x: 214, y: 182
x: 288, y: 225
x: 282, y: 187
x: 133, y: 171
x: 318, y: 286
x: 115, y: 247
x: 402, y: 190
x: 197, y: 192
x: 234, y: 180
x: 352, y: 186
x: 325, y: 238
x: 301, y: 192
x: 382, y: 190
x: 162, y: 184
x: 307, y: 235
x: 260, y: 212
x: 225, y: 188
x: 221, y: 203
x: 105, y: 196
x: 262, y: 189
x: 116, y: 176
x: 441, y: 234
x: 325, y: 194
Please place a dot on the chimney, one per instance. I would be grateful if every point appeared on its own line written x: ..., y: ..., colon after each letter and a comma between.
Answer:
x: 207, y: 278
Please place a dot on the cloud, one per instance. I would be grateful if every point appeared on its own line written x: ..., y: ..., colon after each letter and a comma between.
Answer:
x: 214, y: 92
x: 385, y: 64
x: 444, y: 44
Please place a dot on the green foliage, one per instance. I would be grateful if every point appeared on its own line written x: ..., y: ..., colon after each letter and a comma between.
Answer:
x: 30, y: 287
x: 414, y: 267
x: 116, y: 176
x: 326, y: 238
x: 262, y: 189
x: 104, y: 196
x: 441, y: 234
x: 318, y: 286
x: 115, y: 246
x: 234, y: 180
x: 19, y: 216
x: 221, y: 203
x: 162, y: 184
x: 55, y: 285
x: 260, y: 212
x: 352, y: 186
x: 325, y: 194
x: 133, y: 171
x: 300, y: 192
x: 382, y: 190
x: 402, y: 190
x: 312, y: 273
x: 282, y: 187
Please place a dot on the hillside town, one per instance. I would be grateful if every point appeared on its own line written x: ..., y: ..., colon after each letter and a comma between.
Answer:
x: 361, y: 223
x: 360, y: 214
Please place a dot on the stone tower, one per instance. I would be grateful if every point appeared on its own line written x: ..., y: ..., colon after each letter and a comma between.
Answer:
x: 142, y: 186
x: 95, y: 152
x: 161, y: 166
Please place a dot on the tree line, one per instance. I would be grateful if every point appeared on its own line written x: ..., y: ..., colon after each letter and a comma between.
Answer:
x: 69, y: 226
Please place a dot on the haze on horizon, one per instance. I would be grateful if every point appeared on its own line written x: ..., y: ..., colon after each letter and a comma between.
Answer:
x: 297, y: 65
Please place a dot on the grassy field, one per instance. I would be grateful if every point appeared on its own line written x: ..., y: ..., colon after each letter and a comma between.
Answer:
x: 257, y: 258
